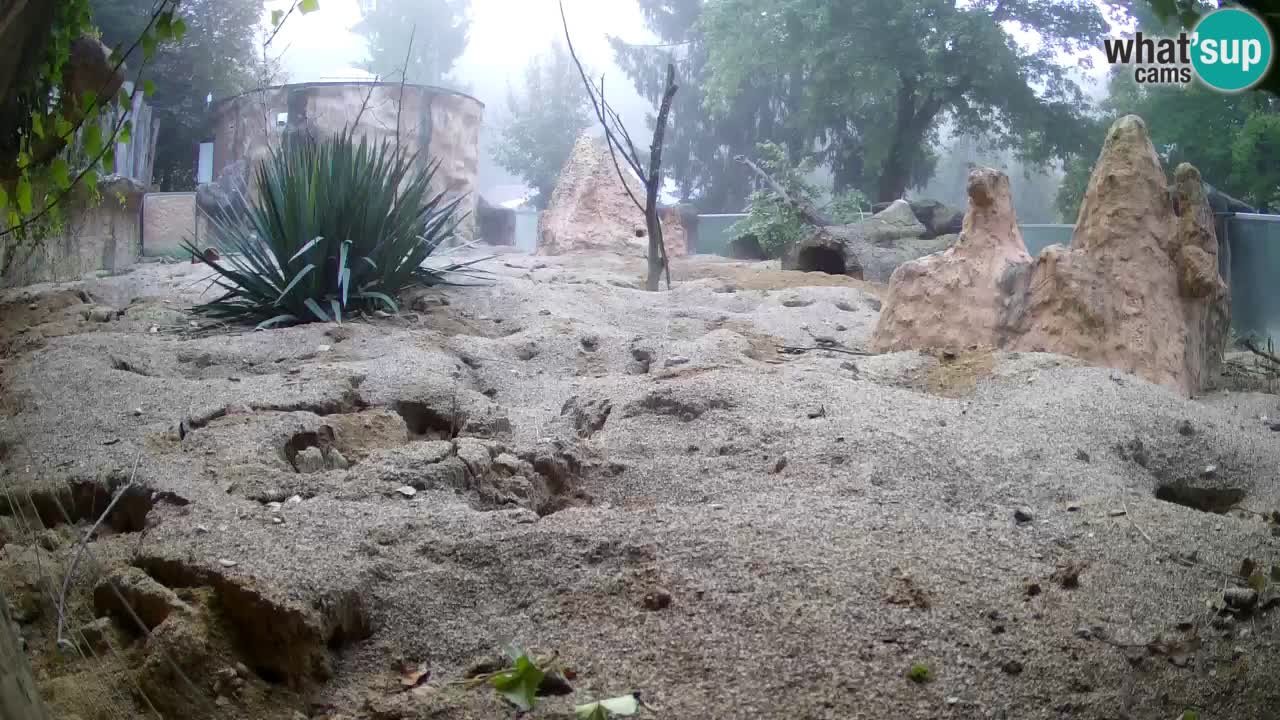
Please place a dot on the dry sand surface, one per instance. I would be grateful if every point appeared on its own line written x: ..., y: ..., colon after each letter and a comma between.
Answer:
x: 650, y: 485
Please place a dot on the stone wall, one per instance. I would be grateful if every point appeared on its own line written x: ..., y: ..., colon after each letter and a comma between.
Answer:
x: 167, y: 220
x: 106, y: 236
x: 437, y: 124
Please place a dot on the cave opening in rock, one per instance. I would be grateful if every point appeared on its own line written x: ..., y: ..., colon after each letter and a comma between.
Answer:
x: 821, y: 259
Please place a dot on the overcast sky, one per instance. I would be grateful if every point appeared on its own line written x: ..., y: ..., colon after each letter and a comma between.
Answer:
x: 504, y: 35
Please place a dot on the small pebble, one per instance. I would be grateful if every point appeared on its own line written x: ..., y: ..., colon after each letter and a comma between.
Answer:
x: 658, y: 599
x: 1023, y: 515
x: 294, y: 499
x: 716, y: 506
x: 1012, y: 667
x: 201, y: 529
x: 407, y: 491
x: 227, y: 563
x: 1117, y: 513
x: 277, y: 520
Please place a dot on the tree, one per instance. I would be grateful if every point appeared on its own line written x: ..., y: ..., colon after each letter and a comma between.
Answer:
x: 701, y: 145
x: 1187, y: 12
x: 1232, y: 139
x: 431, y: 34
x: 870, y: 83
x: 219, y: 56
x: 624, y: 153
x: 545, y: 120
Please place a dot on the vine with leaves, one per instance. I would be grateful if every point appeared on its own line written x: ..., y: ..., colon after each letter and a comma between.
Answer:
x: 68, y: 134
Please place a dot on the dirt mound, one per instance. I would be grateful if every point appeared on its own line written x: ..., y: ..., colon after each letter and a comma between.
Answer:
x: 665, y: 490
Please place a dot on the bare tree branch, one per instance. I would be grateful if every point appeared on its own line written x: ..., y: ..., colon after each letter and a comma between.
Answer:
x: 404, y: 77
x: 807, y: 211
x: 615, y: 128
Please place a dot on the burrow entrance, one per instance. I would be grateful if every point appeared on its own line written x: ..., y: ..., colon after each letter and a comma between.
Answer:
x: 427, y: 423
x: 84, y: 501
x: 1217, y: 500
x: 821, y: 259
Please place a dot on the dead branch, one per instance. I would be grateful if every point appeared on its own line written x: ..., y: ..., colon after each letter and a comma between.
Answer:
x: 808, y: 212
x: 404, y: 77
x: 80, y: 548
x: 365, y: 105
x: 613, y: 156
x: 1252, y: 347
x: 655, y: 172
x: 618, y: 140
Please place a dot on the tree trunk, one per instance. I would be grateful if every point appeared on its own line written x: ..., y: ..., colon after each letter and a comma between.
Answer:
x: 657, y: 249
x: 18, y: 697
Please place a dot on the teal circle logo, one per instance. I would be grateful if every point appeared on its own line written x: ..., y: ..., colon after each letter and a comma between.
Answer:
x: 1232, y: 49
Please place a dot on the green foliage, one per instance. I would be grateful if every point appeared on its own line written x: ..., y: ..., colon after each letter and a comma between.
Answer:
x: 326, y: 233
x: 527, y: 679
x: 211, y: 50
x: 545, y: 120
x: 438, y: 29
x: 871, y: 82
x: 520, y: 684
x: 773, y: 222
x: 919, y: 673
x: 699, y: 146
x: 1255, y: 154
x: 1232, y: 139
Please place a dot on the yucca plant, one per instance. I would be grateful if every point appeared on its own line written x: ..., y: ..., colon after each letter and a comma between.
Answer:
x: 335, y: 225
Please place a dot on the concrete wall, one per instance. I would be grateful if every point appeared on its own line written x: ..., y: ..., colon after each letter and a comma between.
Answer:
x: 167, y: 220
x: 437, y: 124
x: 106, y: 236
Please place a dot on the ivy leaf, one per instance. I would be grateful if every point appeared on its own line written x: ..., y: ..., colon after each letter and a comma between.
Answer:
x: 90, y: 179
x: 148, y: 88
x: 24, y: 195
x: 520, y: 684
x: 14, y: 219
x: 126, y: 133
x: 92, y: 139
x: 37, y: 125
x: 60, y: 173
x: 4, y: 198
x: 277, y: 16
x: 309, y: 6
x: 164, y: 26
x: 179, y: 29
x: 623, y: 705
x: 109, y: 159
x: 63, y: 127
x: 148, y: 44
x: 89, y: 99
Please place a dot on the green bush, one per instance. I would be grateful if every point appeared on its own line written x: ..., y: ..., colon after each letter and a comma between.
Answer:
x: 775, y: 224
x: 334, y: 226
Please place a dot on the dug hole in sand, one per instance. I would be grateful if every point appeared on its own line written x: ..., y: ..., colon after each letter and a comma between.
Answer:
x: 713, y: 495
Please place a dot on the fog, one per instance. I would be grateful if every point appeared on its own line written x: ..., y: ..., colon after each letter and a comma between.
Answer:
x: 505, y: 35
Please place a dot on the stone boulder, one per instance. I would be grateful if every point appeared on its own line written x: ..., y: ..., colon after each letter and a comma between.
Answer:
x: 228, y: 193
x: 937, y: 218
x: 495, y: 224
x: 678, y: 231
x: 590, y: 209
x: 870, y: 249
x: 959, y: 297
x: 1138, y: 289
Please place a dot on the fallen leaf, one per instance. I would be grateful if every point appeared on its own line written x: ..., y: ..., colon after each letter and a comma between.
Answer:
x: 414, y: 677
x: 623, y: 705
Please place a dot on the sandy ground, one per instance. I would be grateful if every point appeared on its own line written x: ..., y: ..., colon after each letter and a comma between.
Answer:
x: 708, y: 495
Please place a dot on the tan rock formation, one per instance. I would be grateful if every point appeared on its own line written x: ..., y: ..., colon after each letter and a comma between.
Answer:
x: 958, y: 297
x: 675, y: 237
x: 590, y: 209
x: 1137, y: 290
